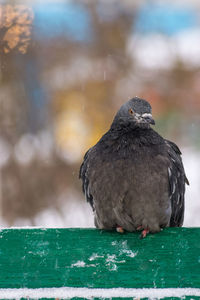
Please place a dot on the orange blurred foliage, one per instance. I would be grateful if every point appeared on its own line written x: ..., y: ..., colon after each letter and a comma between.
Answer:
x: 15, y: 27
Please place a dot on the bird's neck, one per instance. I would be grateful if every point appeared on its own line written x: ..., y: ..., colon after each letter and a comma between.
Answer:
x: 136, y: 135
x: 123, y: 128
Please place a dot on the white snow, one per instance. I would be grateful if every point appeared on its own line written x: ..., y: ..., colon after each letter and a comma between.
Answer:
x: 79, y: 264
x: 124, y: 249
x: 111, y: 258
x: 69, y: 292
x: 111, y: 262
x: 191, y: 158
x: 95, y: 256
x: 128, y: 253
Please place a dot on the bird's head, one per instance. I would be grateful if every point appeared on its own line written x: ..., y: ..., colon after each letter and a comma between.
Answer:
x: 135, y: 111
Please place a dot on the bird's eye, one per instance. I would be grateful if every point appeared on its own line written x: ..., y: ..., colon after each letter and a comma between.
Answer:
x: 131, y: 112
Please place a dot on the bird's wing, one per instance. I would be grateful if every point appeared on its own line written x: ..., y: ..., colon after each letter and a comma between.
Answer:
x: 83, y: 174
x: 177, y: 180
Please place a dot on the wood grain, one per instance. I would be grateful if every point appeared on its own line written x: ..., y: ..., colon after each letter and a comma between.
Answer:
x: 92, y: 258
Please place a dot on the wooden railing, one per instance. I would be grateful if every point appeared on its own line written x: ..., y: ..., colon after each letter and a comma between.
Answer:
x: 90, y: 263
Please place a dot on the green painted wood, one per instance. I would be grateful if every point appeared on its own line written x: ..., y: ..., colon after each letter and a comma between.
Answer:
x: 36, y: 258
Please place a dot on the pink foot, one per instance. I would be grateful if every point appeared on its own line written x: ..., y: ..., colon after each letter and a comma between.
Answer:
x: 119, y: 229
x: 144, y: 233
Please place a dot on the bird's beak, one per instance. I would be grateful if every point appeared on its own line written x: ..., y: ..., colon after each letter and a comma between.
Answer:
x: 148, y: 118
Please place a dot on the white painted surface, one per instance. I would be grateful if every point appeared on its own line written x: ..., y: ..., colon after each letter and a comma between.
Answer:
x: 68, y: 292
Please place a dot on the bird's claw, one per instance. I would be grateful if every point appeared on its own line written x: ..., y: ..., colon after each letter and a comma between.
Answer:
x: 119, y: 229
x: 144, y: 233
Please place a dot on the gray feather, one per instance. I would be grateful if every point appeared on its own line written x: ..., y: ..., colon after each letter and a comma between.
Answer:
x: 133, y: 177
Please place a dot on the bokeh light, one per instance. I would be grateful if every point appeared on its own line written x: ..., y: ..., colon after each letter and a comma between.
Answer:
x: 65, y: 69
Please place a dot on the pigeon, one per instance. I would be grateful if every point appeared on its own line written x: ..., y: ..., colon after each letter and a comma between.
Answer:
x: 133, y: 178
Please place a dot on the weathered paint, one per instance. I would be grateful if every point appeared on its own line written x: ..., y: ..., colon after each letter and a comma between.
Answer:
x: 36, y: 258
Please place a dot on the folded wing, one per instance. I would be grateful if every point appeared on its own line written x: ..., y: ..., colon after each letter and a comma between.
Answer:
x: 177, y: 180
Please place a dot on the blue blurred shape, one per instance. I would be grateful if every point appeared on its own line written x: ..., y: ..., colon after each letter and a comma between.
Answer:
x: 168, y: 19
x: 62, y: 19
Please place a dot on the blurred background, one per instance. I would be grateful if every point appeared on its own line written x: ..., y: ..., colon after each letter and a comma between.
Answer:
x: 65, y: 69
